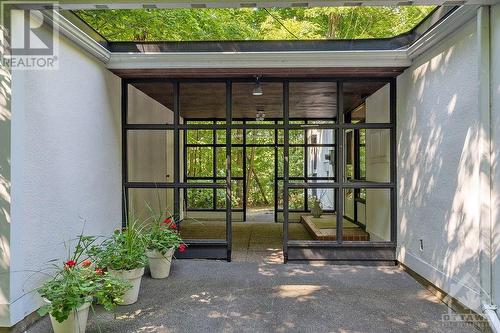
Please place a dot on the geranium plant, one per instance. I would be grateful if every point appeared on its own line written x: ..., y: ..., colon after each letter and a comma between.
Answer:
x: 164, y: 236
x: 79, y: 282
x: 124, y: 250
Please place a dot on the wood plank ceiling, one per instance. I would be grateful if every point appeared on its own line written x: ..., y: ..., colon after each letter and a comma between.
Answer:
x: 311, y: 100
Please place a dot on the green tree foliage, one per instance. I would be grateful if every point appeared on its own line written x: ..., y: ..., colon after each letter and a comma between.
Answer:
x: 254, y: 24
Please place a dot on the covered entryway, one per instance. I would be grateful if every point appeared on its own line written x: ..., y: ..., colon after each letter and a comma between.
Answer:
x: 314, y: 155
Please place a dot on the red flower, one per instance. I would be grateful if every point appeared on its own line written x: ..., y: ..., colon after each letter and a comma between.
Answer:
x: 173, y: 226
x: 167, y: 221
x: 86, y: 263
x: 69, y: 263
x: 182, y: 247
x: 99, y: 271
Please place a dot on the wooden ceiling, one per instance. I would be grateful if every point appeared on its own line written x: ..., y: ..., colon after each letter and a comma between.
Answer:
x: 306, y: 99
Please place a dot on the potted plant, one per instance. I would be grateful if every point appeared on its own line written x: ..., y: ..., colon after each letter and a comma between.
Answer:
x: 71, y: 291
x: 123, y: 255
x: 162, y: 239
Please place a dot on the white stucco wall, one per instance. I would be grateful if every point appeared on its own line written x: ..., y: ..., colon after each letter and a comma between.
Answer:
x: 495, y: 127
x: 66, y: 166
x: 438, y: 165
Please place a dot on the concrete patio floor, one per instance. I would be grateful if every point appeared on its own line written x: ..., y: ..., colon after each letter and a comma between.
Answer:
x: 215, y: 296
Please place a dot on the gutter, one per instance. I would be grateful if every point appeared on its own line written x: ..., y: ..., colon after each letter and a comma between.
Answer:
x: 485, y: 167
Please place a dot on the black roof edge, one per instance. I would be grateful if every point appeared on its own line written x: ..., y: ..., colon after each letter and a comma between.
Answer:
x: 393, y: 43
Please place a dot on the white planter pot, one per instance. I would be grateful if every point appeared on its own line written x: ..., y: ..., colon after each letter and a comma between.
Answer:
x: 159, y: 264
x: 134, y: 277
x: 76, y: 322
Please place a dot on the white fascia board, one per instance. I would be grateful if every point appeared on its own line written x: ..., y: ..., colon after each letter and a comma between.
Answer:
x: 362, y: 58
x: 448, y: 26
x: 79, y: 37
x: 392, y: 58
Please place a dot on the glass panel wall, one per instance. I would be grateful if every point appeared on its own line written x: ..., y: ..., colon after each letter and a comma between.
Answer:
x: 370, y: 213
x: 328, y: 156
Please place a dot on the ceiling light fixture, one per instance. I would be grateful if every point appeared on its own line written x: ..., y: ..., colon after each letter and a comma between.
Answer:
x: 257, y: 90
x: 260, y: 115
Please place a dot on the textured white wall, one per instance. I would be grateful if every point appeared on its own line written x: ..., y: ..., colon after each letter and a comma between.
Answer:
x: 150, y: 155
x: 66, y: 166
x: 378, y: 208
x: 437, y: 135
x: 5, y: 185
x: 495, y: 126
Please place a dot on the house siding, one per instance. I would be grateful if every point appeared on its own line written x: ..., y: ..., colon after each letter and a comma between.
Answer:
x: 438, y: 129
x: 66, y: 166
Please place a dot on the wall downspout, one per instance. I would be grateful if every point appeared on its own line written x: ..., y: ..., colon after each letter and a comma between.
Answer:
x: 485, y: 169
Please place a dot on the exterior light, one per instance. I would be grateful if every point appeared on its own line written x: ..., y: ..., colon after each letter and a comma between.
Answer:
x: 257, y: 90
x: 260, y: 115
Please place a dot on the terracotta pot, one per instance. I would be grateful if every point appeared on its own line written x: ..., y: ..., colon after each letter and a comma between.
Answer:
x: 134, y: 277
x: 76, y: 322
x: 159, y: 264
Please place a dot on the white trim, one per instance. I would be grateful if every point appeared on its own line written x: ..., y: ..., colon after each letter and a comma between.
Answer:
x: 461, y: 289
x: 299, y: 59
x: 393, y: 58
x: 449, y: 25
x: 79, y: 37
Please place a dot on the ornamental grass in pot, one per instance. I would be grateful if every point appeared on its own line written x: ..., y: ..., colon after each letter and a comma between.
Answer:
x: 162, y: 239
x: 124, y: 257
x: 69, y: 294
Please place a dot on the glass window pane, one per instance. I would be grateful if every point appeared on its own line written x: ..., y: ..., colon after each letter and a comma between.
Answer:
x: 236, y: 194
x: 199, y: 198
x: 150, y: 103
x: 146, y: 204
x: 260, y: 136
x: 321, y: 163
x: 367, y: 215
x: 236, y: 162
x: 367, y: 155
x: 200, y: 162
x: 319, y: 221
x: 321, y: 136
x: 203, y: 224
x: 150, y: 156
x: 296, y: 164
x: 367, y: 102
x: 199, y: 136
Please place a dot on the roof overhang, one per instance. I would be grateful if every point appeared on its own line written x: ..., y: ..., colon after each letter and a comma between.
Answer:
x: 389, y: 57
